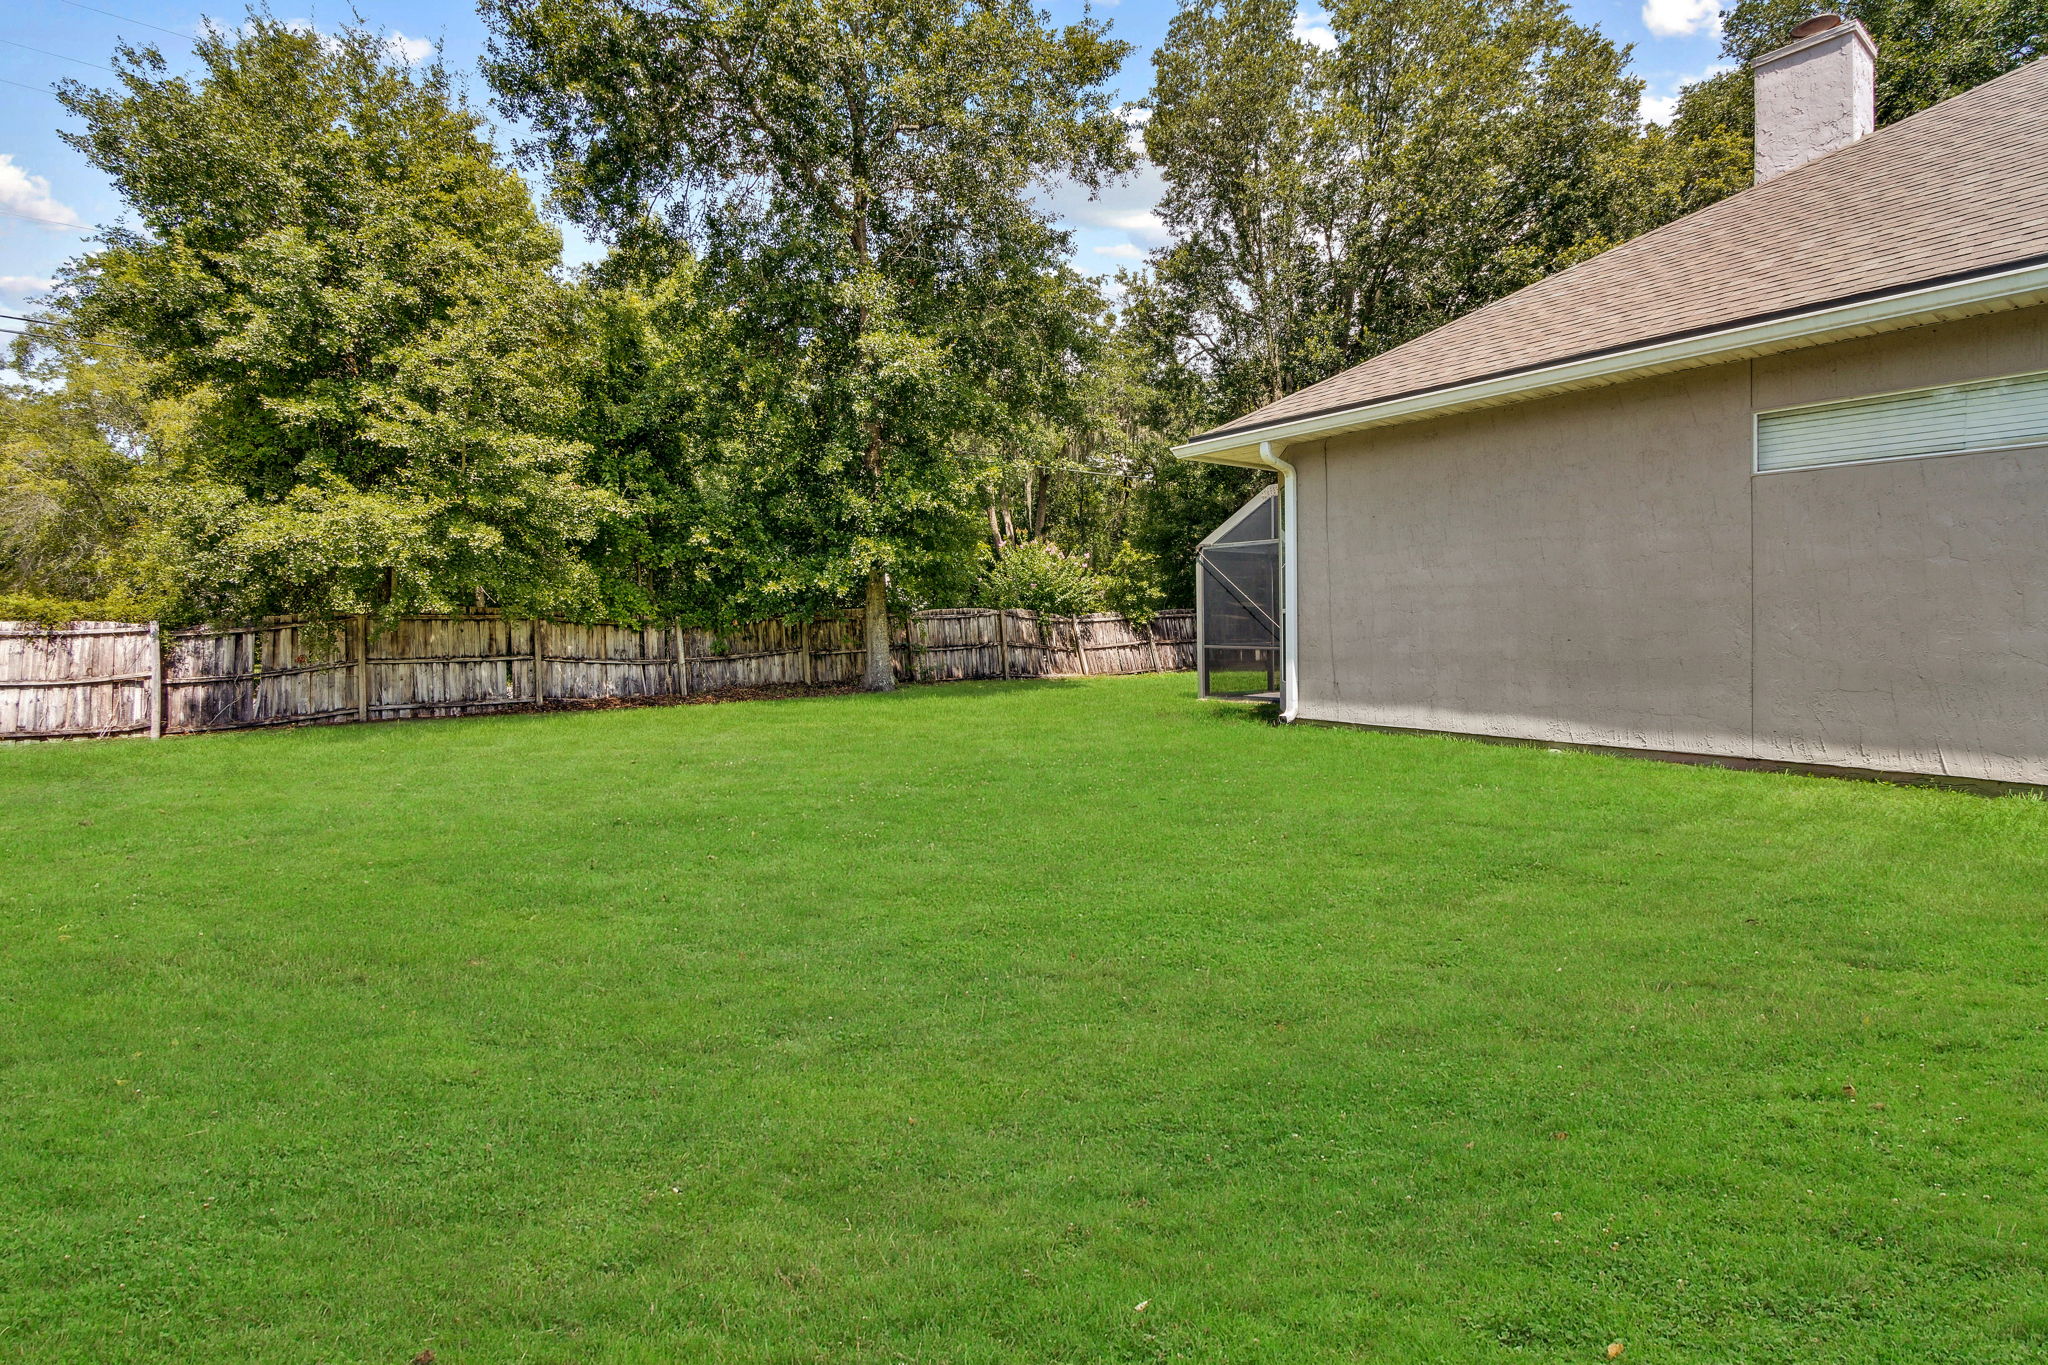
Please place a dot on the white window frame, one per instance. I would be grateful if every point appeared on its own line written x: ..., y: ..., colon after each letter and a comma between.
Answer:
x: 1756, y: 450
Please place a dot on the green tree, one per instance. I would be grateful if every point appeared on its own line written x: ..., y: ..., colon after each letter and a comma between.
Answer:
x: 1670, y: 171
x: 1328, y: 204
x: 1245, y: 296
x: 1072, y: 475
x: 74, y: 450
x: 357, y: 304
x: 1101, y: 479
x: 856, y: 181
x: 649, y: 409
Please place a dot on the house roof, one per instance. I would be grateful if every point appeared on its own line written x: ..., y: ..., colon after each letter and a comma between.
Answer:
x: 1957, y: 190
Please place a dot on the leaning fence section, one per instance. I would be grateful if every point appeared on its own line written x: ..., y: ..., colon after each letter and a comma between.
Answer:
x: 95, y: 678
x: 107, y: 678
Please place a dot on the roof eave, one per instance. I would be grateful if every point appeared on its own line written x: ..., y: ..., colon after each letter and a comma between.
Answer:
x: 1987, y: 292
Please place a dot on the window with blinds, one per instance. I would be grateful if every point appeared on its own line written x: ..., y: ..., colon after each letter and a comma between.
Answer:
x: 1992, y: 414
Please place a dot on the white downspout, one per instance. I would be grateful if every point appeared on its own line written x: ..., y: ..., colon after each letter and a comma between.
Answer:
x: 1290, y: 690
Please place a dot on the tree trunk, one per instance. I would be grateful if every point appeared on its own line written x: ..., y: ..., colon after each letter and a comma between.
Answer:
x: 880, y: 677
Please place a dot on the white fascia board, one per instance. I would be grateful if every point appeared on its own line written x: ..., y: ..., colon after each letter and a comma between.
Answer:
x: 1981, y: 293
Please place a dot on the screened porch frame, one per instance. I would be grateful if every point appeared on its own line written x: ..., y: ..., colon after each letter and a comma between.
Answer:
x: 1256, y: 611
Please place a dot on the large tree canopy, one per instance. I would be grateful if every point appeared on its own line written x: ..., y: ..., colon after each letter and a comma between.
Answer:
x: 355, y: 304
x: 1329, y: 203
x: 857, y: 186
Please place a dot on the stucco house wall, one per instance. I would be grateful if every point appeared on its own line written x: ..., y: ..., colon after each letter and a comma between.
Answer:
x: 1604, y: 568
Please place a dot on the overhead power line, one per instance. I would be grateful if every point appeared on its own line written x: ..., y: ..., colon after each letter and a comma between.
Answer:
x: 66, y: 330
x: 53, y: 222
x: 126, y: 20
x: 39, y: 89
x: 42, y: 51
x: 75, y: 341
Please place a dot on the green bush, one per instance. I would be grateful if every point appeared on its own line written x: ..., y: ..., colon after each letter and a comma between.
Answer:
x: 1039, y: 576
x: 1133, y: 584
x: 56, y: 612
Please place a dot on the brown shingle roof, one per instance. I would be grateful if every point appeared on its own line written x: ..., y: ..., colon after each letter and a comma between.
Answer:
x: 1955, y: 190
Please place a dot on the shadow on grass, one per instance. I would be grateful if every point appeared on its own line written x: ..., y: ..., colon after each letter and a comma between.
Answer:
x: 1243, y: 712
x: 907, y: 692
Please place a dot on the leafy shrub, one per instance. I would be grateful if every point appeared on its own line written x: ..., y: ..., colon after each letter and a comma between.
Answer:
x: 1039, y: 576
x: 1133, y: 584
x: 59, y: 612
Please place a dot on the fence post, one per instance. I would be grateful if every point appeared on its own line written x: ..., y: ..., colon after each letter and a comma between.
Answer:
x: 1003, y: 640
x: 682, y: 660
x: 1080, y: 645
x: 810, y: 665
x: 361, y: 631
x: 540, y: 693
x: 259, y: 657
x: 156, y: 680
x: 1152, y: 639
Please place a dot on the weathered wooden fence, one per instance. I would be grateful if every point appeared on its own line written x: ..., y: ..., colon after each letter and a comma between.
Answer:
x: 93, y: 678
x: 103, y: 678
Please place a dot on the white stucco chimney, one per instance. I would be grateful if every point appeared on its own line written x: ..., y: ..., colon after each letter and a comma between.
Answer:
x: 1816, y: 93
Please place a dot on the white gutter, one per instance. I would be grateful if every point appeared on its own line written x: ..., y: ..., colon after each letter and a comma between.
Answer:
x: 1983, y: 293
x: 1290, y: 692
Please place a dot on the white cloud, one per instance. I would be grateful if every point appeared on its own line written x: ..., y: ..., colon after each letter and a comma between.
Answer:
x: 1143, y: 224
x: 1123, y: 251
x: 1125, y: 207
x: 1678, y: 18
x: 21, y: 286
x: 1312, y: 26
x: 1660, y: 108
x: 29, y: 196
x: 411, y: 51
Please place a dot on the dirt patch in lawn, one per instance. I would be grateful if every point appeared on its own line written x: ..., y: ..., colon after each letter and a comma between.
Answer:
x: 770, y: 692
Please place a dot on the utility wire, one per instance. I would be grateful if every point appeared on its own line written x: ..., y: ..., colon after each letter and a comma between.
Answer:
x: 76, y: 341
x: 53, y: 222
x: 39, y: 89
x: 64, y: 330
x: 60, y: 56
x: 126, y: 20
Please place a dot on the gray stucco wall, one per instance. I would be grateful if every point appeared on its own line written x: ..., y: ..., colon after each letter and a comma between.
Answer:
x: 1604, y: 568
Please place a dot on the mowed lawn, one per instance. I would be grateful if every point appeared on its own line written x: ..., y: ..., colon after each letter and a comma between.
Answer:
x: 1072, y: 1021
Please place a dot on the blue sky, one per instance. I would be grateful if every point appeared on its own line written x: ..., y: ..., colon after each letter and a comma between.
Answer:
x: 50, y: 198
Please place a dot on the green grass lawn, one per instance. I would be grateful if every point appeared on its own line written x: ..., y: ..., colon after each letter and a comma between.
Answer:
x: 1008, y: 1022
